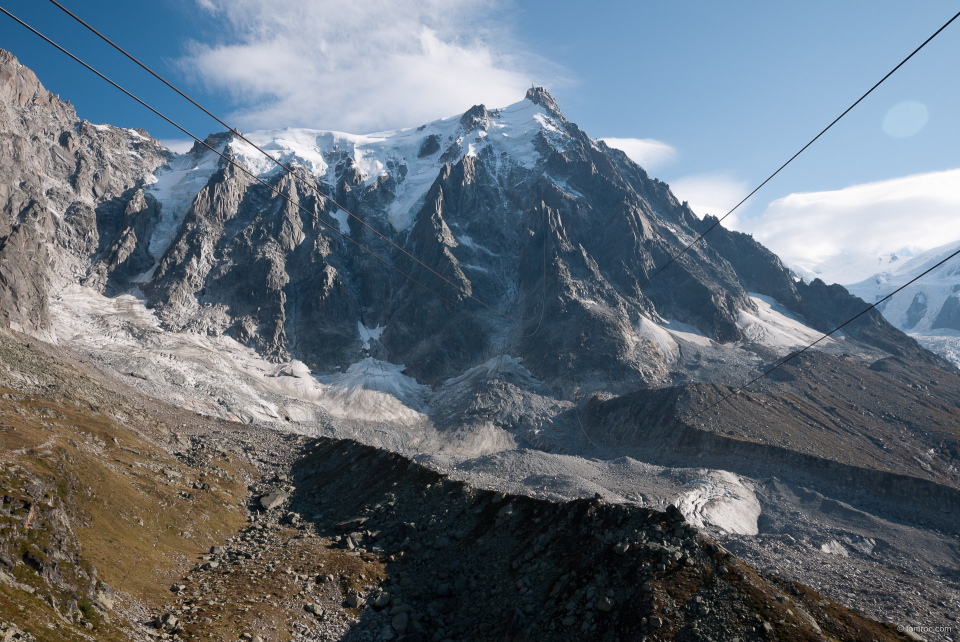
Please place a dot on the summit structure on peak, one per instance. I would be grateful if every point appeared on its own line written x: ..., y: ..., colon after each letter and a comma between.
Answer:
x: 540, y: 96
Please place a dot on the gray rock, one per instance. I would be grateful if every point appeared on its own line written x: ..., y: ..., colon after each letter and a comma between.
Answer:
x: 166, y: 622
x: 400, y: 622
x: 274, y: 499
x: 351, y: 524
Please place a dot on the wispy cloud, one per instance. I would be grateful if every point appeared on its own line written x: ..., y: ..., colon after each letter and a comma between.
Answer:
x: 363, y: 66
x: 178, y: 145
x: 909, y: 214
x: 714, y: 194
x: 649, y: 153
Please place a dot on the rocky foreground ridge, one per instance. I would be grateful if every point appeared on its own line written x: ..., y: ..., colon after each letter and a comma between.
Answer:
x: 120, y: 520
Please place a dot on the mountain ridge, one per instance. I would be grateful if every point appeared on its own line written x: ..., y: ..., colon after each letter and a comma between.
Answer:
x: 192, y: 283
x: 602, y: 222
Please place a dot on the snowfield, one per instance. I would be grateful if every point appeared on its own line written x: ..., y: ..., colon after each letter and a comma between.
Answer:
x: 915, y: 310
x: 509, y: 139
x: 776, y: 327
x: 175, y: 186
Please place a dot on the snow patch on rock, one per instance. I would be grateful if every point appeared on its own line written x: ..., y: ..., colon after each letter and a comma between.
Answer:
x: 776, y: 327
x: 343, y: 220
x: 175, y: 186
x: 366, y: 334
x: 833, y: 547
x: 687, y: 333
x: 374, y: 390
x: 720, y: 499
x: 659, y: 337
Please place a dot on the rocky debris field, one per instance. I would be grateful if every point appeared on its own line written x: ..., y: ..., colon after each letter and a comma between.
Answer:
x: 123, y: 518
x: 897, y: 591
x: 363, y: 544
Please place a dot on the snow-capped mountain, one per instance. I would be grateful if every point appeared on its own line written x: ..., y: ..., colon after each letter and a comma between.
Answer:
x: 514, y: 207
x: 929, y: 309
x: 848, y: 267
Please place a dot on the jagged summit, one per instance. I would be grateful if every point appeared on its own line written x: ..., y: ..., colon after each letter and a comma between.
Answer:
x: 476, y: 116
x: 516, y: 207
x: 540, y: 96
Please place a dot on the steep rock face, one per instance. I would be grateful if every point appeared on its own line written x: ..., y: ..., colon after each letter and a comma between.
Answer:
x: 249, y: 262
x: 533, y: 240
x: 949, y: 315
x: 551, y: 225
x: 127, y: 256
x: 66, y: 188
x: 24, y: 283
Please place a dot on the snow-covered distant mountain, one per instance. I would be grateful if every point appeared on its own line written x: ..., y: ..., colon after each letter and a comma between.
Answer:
x: 930, y: 309
x: 848, y: 267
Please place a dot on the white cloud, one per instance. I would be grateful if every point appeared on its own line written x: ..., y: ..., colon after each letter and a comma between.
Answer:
x: 714, y: 194
x: 902, y: 215
x: 649, y: 153
x: 178, y: 145
x: 362, y: 66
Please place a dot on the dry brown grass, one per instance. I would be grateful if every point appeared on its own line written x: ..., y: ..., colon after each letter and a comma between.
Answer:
x: 107, y: 488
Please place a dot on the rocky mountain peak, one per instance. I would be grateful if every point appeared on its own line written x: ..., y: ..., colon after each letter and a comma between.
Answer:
x: 540, y: 96
x: 515, y: 207
x: 21, y: 90
x: 476, y: 116
x: 547, y: 356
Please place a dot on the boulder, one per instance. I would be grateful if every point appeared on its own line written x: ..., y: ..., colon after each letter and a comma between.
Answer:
x: 274, y: 499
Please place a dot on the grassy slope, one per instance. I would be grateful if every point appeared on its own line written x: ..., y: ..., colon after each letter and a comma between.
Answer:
x: 111, y: 519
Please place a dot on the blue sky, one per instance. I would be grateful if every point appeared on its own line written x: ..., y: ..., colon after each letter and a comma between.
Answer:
x: 723, y: 93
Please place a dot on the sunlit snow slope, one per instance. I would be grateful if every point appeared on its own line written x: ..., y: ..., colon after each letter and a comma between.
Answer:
x: 930, y: 308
